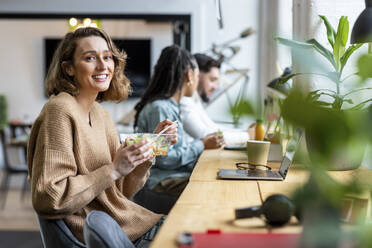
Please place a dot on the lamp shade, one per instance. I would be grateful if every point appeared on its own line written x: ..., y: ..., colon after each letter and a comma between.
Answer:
x: 362, y: 30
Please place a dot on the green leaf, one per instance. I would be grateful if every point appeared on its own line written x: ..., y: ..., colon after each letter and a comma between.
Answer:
x: 341, y: 40
x: 348, y: 53
x: 322, y: 103
x: 243, y: 107
x: 313, y: 96
x: 283, y: 80
x: 309, y: 45
x: 328, y: 90
x: 357, y: 90
x: 334, y: 76
x: 349, y: 101
x: 334, y: 96
x: 323, y: 51
x: 293, y: 43
x: 364, y: 66
x: 360, y: 105
x: 331, y: 33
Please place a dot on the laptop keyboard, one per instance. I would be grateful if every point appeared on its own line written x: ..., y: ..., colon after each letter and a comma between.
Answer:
x: 256, y: 172
x: 262, y: 173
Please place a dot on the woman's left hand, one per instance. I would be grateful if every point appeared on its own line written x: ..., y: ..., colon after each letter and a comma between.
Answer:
x: 172, y: 130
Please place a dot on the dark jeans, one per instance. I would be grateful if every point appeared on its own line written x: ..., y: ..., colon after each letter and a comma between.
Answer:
x: 145, y: 240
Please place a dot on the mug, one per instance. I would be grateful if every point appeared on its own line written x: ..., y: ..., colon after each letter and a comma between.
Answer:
x: 258, y: 152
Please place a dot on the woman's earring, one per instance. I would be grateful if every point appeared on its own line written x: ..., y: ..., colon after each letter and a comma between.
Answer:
x: 189, y: 83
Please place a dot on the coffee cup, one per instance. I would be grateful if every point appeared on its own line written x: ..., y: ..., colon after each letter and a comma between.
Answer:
x: 258, y: 152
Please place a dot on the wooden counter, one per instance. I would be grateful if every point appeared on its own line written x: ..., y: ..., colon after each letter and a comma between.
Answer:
x: 209, y: 202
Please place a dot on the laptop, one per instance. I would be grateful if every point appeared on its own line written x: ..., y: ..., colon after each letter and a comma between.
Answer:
x: 271, y: 175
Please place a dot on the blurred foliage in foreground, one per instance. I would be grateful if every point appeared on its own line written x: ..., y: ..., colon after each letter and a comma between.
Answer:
x: 337, y: 137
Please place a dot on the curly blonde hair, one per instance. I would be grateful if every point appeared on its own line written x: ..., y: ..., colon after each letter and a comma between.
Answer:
x: 58, y: 80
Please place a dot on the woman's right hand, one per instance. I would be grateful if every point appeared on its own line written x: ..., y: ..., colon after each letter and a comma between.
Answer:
x: 213, y: 140
x: 127, y: 158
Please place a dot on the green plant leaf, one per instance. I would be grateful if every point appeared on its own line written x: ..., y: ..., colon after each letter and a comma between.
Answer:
x: 348, y: 101
x: 331, y: 33
x: 322, y: 103
x: 313, y: 97
x: 341, y: 40
x: 294, y: 43
x: 242, y: 108
x: 323, y: 51
x: 309, y: 45
x: 328, y: 90
x: 334, y: 96
x: 316, y: 94
x: 348, y: 53
x: 283, y: 80
x: 360, y: 105
x: 334, y: 76
x: 357, y: 90
x: 364, y: 66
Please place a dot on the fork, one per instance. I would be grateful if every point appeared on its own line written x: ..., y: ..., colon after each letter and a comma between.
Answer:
x: 165, y: 129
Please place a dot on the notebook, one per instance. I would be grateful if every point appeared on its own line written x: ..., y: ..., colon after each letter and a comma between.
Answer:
x: 218, y: 239
x: 272, y: 175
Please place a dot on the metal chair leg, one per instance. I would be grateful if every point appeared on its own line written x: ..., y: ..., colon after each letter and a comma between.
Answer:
x: 24, y: 189
x: 4, y: 189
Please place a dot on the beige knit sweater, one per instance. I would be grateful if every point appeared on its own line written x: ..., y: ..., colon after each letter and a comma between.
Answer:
x: 70, y: 164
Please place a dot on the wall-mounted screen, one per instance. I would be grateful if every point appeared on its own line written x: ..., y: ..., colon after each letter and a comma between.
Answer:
x: 138, y: 66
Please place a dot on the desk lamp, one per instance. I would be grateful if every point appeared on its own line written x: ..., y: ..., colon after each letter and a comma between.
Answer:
x: 362, y: 30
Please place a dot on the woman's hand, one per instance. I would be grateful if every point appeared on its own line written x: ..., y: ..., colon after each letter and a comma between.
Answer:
x: 213, y: 140
x: 127, y: 158
x: 172, y: 130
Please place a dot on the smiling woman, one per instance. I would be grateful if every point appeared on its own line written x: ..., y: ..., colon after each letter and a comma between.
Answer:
x: 76, y: 163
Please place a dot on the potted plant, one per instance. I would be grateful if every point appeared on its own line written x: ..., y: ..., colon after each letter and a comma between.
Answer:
x: 334, y: 123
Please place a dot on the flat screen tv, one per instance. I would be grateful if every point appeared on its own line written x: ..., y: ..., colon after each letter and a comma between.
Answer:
x: 138, y: 65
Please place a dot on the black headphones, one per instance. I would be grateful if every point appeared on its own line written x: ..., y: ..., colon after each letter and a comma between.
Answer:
x: 277, y: 210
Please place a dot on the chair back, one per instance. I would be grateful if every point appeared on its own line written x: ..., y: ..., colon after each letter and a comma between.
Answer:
x: 56, y: 234
x: 16, y: 165
x: 102, y: 231
x: 3, y: 147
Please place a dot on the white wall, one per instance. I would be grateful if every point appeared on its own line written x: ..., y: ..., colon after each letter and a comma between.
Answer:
x: 23, y: 69
x: 203, y: 12
x: 237, y: 16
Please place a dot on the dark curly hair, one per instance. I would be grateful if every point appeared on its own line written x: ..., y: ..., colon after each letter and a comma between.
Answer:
x: 58, y: 80
x: 168, y: 77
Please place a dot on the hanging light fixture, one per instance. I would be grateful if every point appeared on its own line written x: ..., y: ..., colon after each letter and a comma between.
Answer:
x: 362, y: 30
x: 75, y: 23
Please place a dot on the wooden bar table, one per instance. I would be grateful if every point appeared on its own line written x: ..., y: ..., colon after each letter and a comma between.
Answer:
x: 209, y: 203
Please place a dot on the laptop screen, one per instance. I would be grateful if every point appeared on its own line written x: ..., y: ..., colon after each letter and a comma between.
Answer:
x: 290, y: 152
